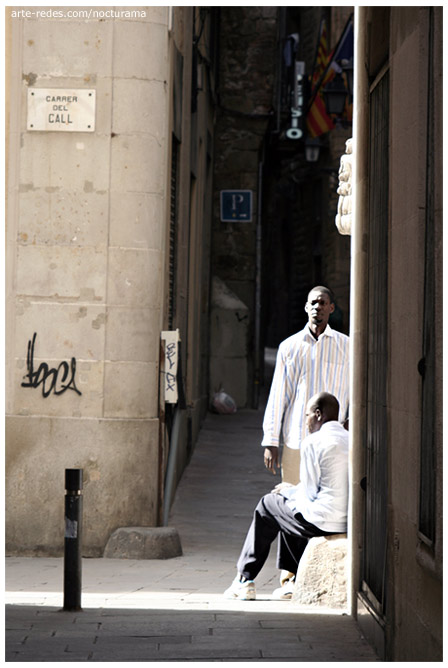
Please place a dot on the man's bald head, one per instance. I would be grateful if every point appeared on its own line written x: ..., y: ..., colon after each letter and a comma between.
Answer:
x: 322, y: 407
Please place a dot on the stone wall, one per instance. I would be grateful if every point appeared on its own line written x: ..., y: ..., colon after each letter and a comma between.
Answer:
x: 409, y: 624
x: 245, y: 94
x: 418, y: 609
x: 85, y: 251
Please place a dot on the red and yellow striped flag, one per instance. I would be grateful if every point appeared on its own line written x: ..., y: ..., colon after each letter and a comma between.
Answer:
x: 318, y: 121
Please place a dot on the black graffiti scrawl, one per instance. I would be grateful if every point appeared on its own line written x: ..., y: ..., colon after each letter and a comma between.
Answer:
x: 57, y: 380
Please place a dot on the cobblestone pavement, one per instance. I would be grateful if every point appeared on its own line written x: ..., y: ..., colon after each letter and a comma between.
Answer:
x: 173, y: 610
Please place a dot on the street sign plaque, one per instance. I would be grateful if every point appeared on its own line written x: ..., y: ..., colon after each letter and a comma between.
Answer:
x: 61, y: 110
x: 236, y: 206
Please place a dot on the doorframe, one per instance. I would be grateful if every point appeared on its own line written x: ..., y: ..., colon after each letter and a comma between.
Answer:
x: 362, y: 606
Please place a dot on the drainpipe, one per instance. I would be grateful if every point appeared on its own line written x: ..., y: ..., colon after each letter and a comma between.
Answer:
x: 170, y: 481
x: 171, y: 469
x: 358, y: 301
x: 257, y: 355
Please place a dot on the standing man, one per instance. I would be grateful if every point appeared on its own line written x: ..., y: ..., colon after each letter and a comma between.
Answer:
x: 317, y: 506
x: 315, y: 359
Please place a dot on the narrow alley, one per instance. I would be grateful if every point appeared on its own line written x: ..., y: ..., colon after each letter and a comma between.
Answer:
x: 177, y: 179
x: 173, y: 610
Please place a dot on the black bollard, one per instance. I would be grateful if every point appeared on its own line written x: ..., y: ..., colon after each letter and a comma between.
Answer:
x: 73, y: 539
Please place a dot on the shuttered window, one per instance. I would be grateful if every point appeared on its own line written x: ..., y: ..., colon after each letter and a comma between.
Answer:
x: 374, y: 567
x: 427, y: 363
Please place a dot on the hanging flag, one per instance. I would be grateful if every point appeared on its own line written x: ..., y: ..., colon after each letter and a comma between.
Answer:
x: 318, y: 121
x: 343, y: 53
x: 344, y: 50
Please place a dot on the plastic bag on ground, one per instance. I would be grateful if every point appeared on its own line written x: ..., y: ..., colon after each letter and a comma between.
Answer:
x: 223, y: 403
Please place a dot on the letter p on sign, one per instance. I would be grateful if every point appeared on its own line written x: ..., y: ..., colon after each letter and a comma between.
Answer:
x: 236, y: 206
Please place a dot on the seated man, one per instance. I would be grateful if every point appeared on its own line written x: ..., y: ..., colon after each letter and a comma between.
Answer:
x: 317, y: 506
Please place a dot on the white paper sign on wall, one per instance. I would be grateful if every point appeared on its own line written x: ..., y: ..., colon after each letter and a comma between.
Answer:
x: 171, y: 339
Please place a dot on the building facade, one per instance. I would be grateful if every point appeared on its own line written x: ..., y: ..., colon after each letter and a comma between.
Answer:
x: 396, y: 332
x: 107, y: 247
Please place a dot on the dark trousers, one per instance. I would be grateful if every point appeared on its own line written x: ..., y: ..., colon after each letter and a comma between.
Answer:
x: 272, y: 518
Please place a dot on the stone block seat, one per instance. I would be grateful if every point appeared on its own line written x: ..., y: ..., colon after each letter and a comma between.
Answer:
x: 143, y: 543
x: 321, y: 579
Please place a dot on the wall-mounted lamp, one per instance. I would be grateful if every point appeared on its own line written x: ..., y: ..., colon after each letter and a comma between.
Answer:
x: 335, y: 94
x: 312, y: 149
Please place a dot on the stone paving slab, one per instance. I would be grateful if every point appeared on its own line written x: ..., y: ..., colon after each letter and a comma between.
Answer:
x: 47, y: 634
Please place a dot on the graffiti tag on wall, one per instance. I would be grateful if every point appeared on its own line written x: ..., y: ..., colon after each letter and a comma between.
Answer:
x: 57, y: 380
x: 171, y: 339
x: 171, y: 356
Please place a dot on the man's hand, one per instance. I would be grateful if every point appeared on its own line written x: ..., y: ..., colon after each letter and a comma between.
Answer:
x: 271, y: 459
x: 281, y: 485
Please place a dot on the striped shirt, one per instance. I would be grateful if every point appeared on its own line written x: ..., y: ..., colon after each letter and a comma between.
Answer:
x: 305, y: 366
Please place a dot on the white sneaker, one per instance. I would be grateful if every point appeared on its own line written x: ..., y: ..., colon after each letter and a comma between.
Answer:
x: 285, y: 592
x: 285, y: 576
x: 244, y: 591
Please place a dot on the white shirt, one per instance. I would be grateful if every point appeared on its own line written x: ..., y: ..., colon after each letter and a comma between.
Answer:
x: 305, y: 366
x: 322, y: 494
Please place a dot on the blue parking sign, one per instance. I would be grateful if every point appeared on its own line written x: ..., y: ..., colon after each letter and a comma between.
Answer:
x: 236, y: 206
